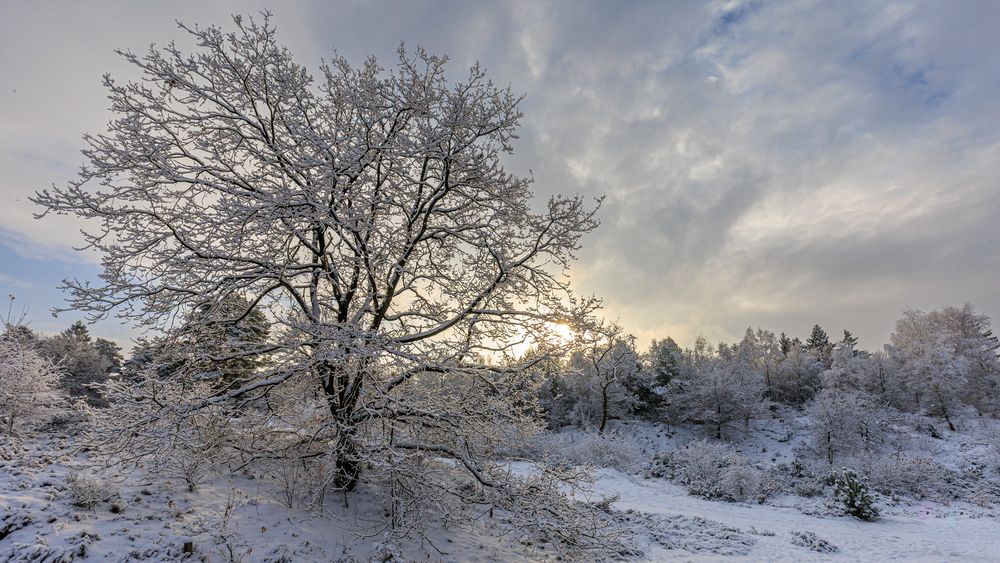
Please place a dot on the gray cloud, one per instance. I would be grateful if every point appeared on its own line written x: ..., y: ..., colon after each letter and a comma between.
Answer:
x: 775, y: 164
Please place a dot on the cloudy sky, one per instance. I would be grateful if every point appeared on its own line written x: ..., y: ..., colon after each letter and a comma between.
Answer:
x: 768, y: 164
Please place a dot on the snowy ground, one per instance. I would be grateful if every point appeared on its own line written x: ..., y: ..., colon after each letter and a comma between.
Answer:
x: 229, y: 520
x: 244, y: 519
x: 928, y: 532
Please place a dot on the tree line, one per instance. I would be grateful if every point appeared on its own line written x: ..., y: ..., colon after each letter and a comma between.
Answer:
x: 941, y: 364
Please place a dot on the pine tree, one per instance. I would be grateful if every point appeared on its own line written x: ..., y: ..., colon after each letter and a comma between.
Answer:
x: 78, y: 331
x: 75, y: 352
x: 224, y: 341
x: 110, y: 352
x: 819, y: 343
x: 818, y: 340
x: 851, y: 491
x: 664, y: 360
x: 786, y: 344
x: 849, y: 339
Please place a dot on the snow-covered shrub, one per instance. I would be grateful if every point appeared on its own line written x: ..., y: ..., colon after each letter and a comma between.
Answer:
x: 715, y: 471
x: 301, y: 483
x: 609, y: 449
x: 27, y: 380
x: 852, y: 493
x: 810, y: 540
x: 12, y: 520
x: 798, y: 478
x: 902, y: 475
x: 87, y: 491
x: 386, y: 551
x: 183, y: 446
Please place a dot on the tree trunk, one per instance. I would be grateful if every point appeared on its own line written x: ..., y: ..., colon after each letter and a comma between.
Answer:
x: 718, y: 424
x: 604, y: 409
x: 944, y: 412
x: 347, y: 466
x: 944, y: 409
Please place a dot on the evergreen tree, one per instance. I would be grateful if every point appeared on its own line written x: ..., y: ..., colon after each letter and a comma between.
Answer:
x: 818, y: 340
x: 664, y: 360
x: 819, y: 343
x: 223, y: 341
x: 74, y: 351
x: 852, y: 492
x: 849, y: 339
x: 785, y: 343
x: 110, y: 352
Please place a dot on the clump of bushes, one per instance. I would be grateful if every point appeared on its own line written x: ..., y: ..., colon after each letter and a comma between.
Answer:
x: 715, y: 471
x: 608, y: 449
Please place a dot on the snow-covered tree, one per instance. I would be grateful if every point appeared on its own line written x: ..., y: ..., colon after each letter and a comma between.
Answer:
x: 785, y: 343
x: 972, y: 338
x: 819, y: 343
x: 365, y: 211
x: 604, y: 371
x: 845, y: 422
x: 725, y: 393
x: 84, y: 364
x: 664, y: 360
x: 931, y: 369
x: 765, y: 354
x: 798, y: 376
x: 110, y: 352
x: 27, y: 379
x: 849, y: 340
x: 221, y: 342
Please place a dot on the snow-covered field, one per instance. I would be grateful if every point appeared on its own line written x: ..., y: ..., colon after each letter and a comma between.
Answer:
x: 244, y: 518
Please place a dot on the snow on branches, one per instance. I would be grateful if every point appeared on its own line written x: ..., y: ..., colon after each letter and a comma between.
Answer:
x: 364, y: 212
x: 27, y: 380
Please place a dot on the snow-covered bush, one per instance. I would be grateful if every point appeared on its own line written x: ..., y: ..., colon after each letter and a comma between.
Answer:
x: 87, y: 490
x: 798, y: 477
x: 715, y: 471
x: 179, y: 445
x: 610, y: 449
x: 27, y: 380
x: 852, y: 493
x: 899, y: 474
x: 810, y: 540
